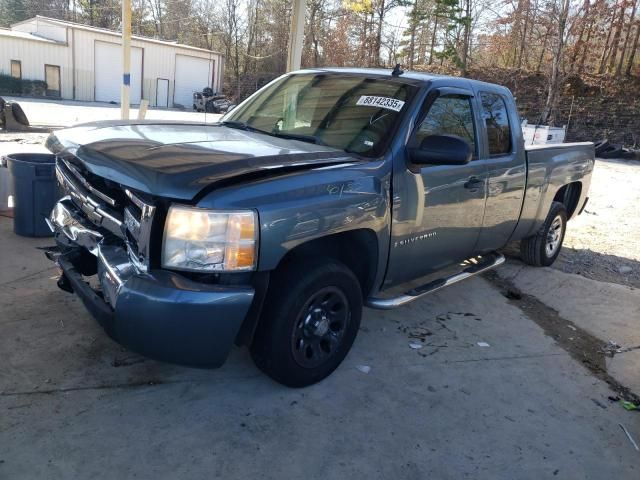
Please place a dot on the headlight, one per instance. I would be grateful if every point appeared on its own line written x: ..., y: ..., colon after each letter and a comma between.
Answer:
x: 207, y: 240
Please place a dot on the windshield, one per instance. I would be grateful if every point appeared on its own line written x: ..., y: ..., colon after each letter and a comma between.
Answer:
x: 352, y: 113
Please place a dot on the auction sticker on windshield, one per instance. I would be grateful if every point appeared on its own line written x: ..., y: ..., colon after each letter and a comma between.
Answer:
x: 381, y: 102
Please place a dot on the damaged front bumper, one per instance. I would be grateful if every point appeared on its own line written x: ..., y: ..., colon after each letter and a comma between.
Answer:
x: 157, y: 313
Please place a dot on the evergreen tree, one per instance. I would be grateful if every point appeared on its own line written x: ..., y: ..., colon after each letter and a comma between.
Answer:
x: 12, y: 11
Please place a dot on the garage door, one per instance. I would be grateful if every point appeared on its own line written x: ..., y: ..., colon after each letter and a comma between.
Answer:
x: 108, y: 71
x: 192, y: 75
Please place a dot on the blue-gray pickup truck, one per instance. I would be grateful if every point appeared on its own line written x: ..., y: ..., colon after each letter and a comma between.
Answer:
x: 311, y: 199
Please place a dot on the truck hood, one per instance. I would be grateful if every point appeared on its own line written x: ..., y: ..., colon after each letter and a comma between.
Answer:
x: 180, y: 160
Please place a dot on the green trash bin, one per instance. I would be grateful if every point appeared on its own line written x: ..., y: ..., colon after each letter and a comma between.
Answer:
x: 33, y: 179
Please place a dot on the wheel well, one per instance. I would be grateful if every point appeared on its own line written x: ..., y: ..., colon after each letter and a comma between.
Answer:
x: 357, y: 249
x: 569, y: 195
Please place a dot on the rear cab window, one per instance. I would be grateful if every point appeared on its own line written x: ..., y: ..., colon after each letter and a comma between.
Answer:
x: 496, y: 121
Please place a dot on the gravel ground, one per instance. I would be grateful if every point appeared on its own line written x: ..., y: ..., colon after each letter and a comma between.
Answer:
x: 604, y: 242
x: 23, y: 138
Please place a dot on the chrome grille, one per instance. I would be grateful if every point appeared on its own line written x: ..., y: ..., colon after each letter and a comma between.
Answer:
x: 76, y: 173
x: 86, y: 200
x: 121, y: 212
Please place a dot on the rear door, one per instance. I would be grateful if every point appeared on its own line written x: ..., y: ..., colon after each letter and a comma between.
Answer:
x: 438, y: 209
x: 504, y: 157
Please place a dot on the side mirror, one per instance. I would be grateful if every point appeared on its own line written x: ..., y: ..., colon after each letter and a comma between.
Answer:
x: 442, y: 150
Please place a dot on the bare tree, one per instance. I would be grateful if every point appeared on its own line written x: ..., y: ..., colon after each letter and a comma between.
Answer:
x: 634, y: 49
x: 560, y: 10
x: 623, y: 49
x: 615, y: 42
x: 157, y: 13
x: 606, y: 50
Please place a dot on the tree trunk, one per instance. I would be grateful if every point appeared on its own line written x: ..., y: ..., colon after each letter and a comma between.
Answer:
x: 580, y: 43
x: 634, y: 49
x: 606, y: 49
x: 421, y: 51
x: 615, y: 44
x: 433, y: 38
x: 549, y: 111
x: 413, y: 19
x: 316, y: 45
x: 516, y: 32
x: 371, y: 41
x: 525, y: 28
x: 467, y: 35
x: 585, y: 48
x: 544, y: 47
x: 363, y: 40
x: 626, y: 38
x: 253, y: 26
x: 378, y: 45
x: 534, y: 17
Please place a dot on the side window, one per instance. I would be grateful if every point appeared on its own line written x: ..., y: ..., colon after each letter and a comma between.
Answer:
x: 494, y: 112
x: 449, y: 115
x: 16, y: 69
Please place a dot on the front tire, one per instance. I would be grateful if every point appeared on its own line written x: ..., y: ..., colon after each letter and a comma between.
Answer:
x: 542, y: 249
x: 309, y: 323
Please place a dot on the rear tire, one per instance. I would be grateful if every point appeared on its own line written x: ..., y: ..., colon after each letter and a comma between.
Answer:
x: 309, y: 322
x: 542, y: 249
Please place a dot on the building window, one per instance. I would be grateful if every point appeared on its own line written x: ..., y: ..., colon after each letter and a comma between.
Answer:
x: 52, y: 78
x: 16, y: 69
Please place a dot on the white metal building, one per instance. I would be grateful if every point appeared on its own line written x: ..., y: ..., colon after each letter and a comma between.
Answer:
x: 85, y: 63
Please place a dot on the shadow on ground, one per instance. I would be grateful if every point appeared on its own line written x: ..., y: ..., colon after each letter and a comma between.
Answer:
x: 590, y: 264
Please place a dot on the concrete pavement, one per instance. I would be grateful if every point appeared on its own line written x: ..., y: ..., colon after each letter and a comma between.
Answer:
x: 76, y: 405
x: 73, y: 404
x: 608, y: 311
x: 65, y: 113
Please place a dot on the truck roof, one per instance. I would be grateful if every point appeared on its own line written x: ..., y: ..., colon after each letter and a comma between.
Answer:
x: 413, y: 77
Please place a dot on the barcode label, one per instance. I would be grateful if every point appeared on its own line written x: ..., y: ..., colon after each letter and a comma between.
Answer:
x: 380, y: 102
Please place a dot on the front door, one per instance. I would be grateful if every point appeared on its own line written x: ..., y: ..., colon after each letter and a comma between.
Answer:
x: 437, y: 209
x: 52, y: 78
x: 162, y: 92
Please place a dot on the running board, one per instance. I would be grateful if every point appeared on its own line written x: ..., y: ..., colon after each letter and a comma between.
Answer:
x: 476, y: 266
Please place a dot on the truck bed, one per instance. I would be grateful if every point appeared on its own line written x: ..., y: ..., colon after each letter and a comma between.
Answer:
x: 549, y: 167
x: 558, y: 146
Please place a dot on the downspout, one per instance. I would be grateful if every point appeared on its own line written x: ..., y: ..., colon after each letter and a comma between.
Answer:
x: 221, y: 66
x: 73, y: 63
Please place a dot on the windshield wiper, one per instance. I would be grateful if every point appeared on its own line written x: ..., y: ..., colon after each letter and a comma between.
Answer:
x: 242, y: 126
x: 300, y: 136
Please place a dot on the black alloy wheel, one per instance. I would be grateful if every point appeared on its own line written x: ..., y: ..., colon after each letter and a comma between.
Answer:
x: 320, y: 327
x: 309, y: 321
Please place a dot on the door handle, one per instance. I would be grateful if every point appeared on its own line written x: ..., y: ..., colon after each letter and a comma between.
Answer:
x: 473, y: 184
